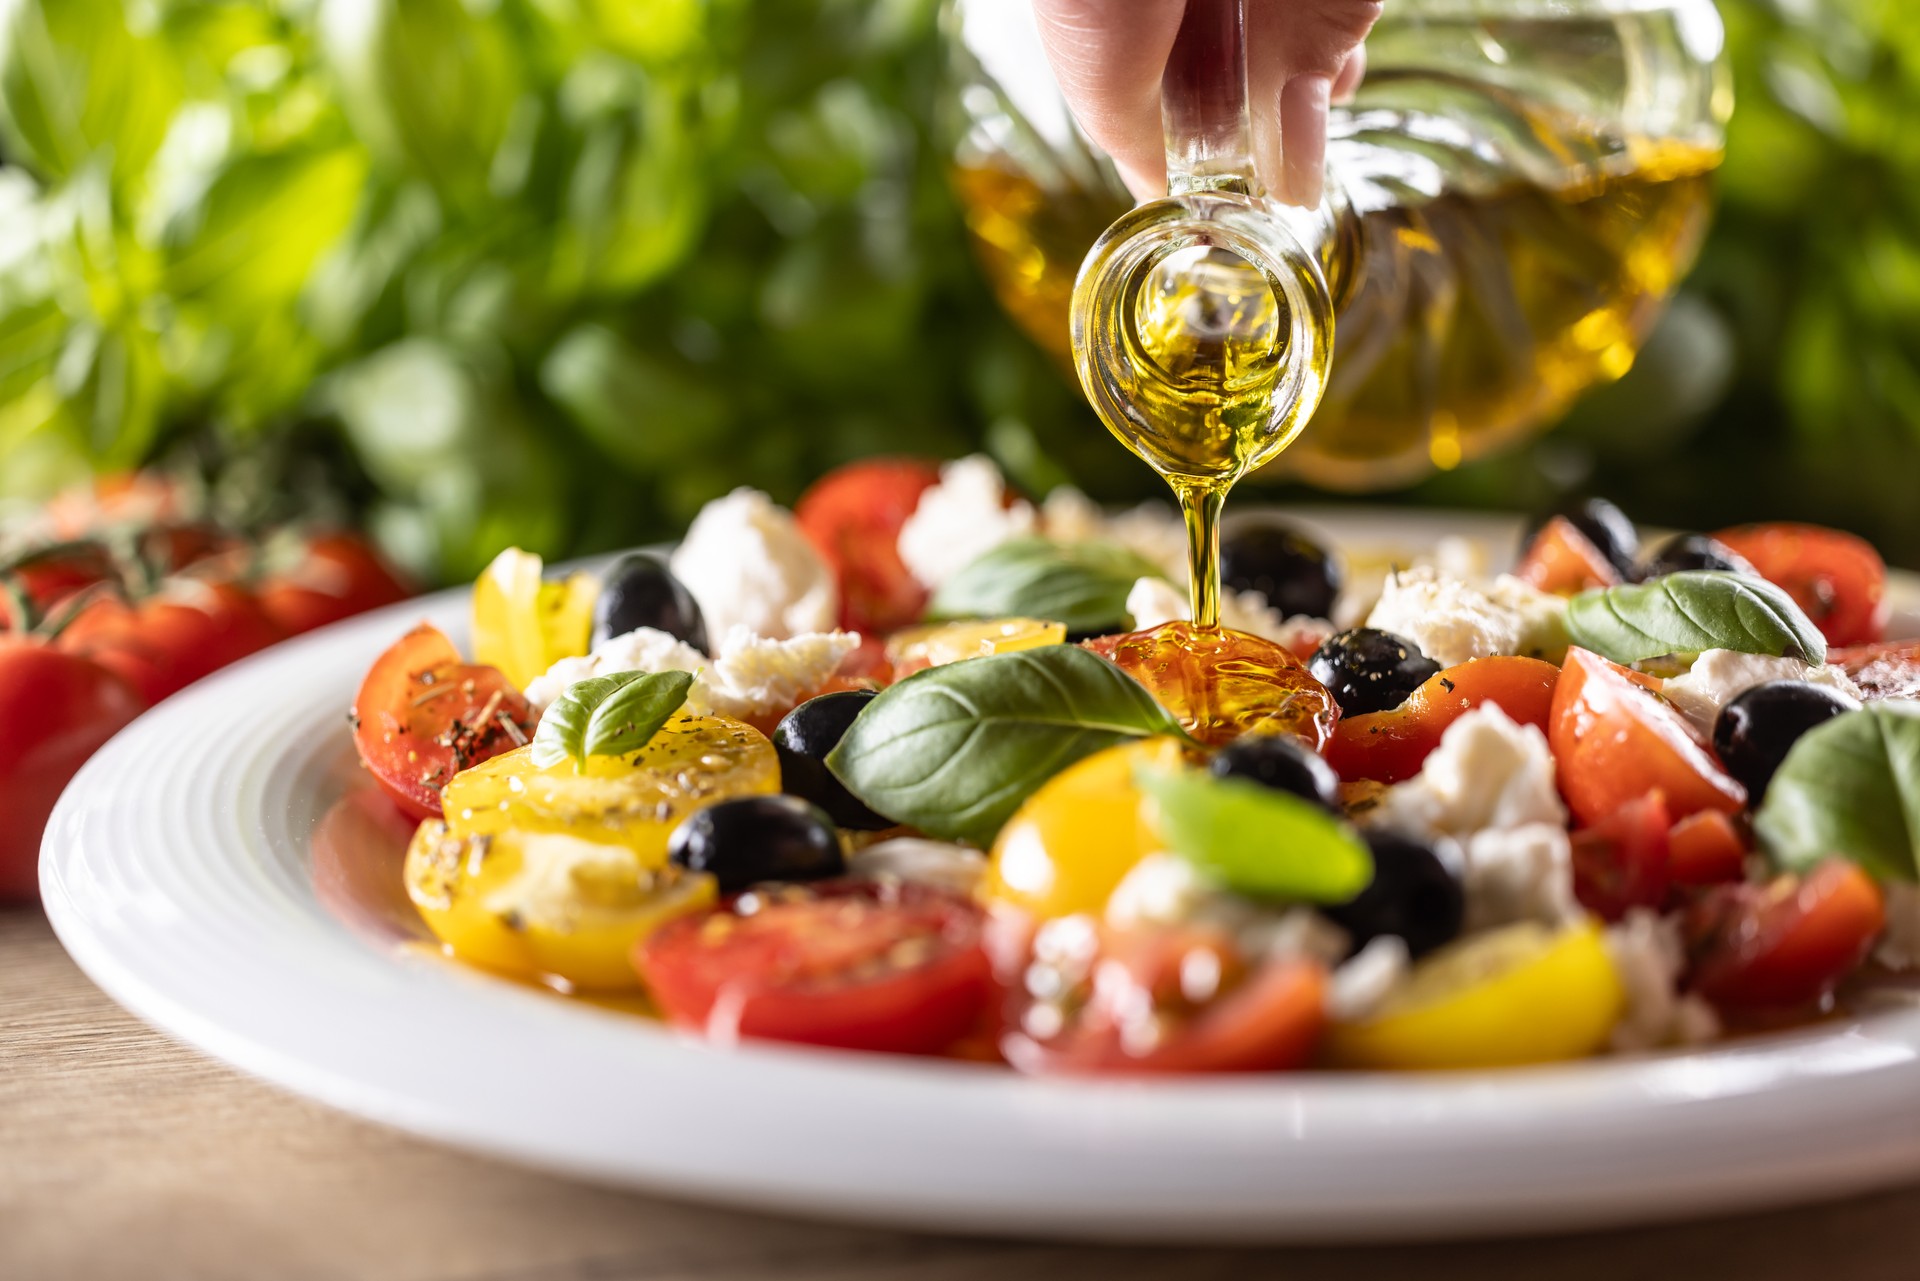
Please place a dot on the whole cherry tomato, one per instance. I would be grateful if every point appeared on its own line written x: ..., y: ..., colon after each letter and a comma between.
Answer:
x: 58, y: 709
x: 1615, y: 739
x: 1837, y: 578
x: 165, y: 643
x: 852, y: 516
x: 340, y: 576
x: 422, y: 716
x: 1390, y: 746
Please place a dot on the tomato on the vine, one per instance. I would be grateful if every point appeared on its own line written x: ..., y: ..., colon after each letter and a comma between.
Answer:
x: 339, y: 575
x: 58, y: 709
x: 853, y: 516
x: 1836, y: 577
x: 168, y: 641
x: 854, y: 965
x: 422, y: 716
x: 1614, y: 739
x: 1785, y: 943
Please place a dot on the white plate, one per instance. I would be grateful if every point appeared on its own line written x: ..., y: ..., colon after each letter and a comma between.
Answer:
x: 212, y: 870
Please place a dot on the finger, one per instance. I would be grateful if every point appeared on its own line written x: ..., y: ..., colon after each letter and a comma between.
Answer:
x: 1107, y: 56
x: 1352, y: 72
x: 1306, y: 40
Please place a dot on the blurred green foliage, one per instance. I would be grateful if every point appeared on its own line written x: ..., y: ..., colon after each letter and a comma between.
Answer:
x: 556, y: 272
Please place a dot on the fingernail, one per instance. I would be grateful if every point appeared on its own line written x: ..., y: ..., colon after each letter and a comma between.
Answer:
x: 1303, y: 137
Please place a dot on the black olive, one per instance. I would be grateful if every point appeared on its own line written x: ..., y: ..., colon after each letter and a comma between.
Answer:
x: 639, y: 591
x: 1370, y: 671
x: 1694, y: 551
x: 1754, y: 731
x: 1294, y: 573
x: 1607, y: 527
x: 1416, y: 894
x: 1282, y: 762
x: 751, y: 839
x: 804, y: 737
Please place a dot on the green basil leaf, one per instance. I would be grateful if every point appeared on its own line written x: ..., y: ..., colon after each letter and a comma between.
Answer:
x: 1849, y: 787
x: 608, y: 715
x: 1257, y: 841
x: 953, y: 750
x: 1083, y: 585
x: 1689, y: 612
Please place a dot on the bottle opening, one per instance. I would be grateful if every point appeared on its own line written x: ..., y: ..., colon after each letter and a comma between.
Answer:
x: 1209, y: 321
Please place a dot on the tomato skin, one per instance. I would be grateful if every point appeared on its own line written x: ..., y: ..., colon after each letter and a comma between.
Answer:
x: 413, y: 740
x: 1620, y: 863
x: 1390, y: 746
x: 1272, y: 1019
x: 58, y: 708
x: 1614, y: 739
x: 1562, y: 560
x: 341, y: 575
x: 1836, y: 577
x: 1706, y: 848
x: 1786, y: 943
x: 852, y: 516
x: 791, y: 968
x: 168, y: 641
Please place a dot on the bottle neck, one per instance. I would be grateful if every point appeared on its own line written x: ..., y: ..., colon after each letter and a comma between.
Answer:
x: 1203, y: 103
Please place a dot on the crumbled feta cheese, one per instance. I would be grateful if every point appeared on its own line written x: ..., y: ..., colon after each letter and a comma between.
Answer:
x: 641, y: 650
x: 1900, y: 944
x: 1165, y: 889
x: 1718, y: 676
x: 1364, y: 982
x: 1516, y: 874
x: 755, y: 677
x: 922, y: 862
x: 960, y: 519
x: 1648, y: 955
x: 1154, y: 601
x: 748, y: 565
x: 752, y: 677
x: 1487, y: 772
x: 1453, y: 621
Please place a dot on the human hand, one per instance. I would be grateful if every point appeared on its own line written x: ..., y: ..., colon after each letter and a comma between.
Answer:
x: 1108, y: 56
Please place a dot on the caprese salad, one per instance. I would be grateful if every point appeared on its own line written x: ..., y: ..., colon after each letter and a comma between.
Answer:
x: 924, y: 767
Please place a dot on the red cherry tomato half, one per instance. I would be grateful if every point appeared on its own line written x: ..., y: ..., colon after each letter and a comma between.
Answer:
x: 852, y: 965
x: 164, y: 644
x: 1176, y: 1000
x: 340, y: 576
x: 1563, y: 560
x: 1620, y: 862
x: 1615, y: 739
x: 422, y: 716
x: 1390, y: 746
x: 852, y: 516
x: 1785, y: 943
x: 1706, y: 849
x: 1837, y: 578
x: 58, y: 709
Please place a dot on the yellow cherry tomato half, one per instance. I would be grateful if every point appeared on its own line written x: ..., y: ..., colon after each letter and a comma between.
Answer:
x: 938, y: 644
x: 1526, y: 993
x: 524, y: 623
x: 1072, y: 841
x: 542, y: 905
x: 634, y: 801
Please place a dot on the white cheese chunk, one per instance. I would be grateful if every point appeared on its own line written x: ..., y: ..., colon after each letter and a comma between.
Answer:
x: 1452, y: 620
x: 1165, y: 889
x: 748, y: 565
x: 960, y: 519
x: 1718, y: 676
x: 1363, y: 983
x: 1487, y: 772
x: 641, y: 650
x: 1517, y: 874
x: 752, y: 678
x: 1649, y: 957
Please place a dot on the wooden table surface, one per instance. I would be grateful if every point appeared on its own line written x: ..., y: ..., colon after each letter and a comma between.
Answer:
x: 123, y: 1155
